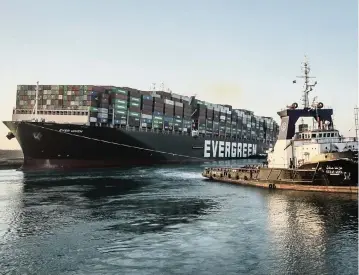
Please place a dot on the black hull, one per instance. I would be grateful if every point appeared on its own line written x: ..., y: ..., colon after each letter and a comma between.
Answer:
x: 341, y: 172
x: 68, y: 146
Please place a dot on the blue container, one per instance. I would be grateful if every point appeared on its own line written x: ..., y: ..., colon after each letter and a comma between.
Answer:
x: 147, y: 97
x: 155, y: 113
x: 168, y: 118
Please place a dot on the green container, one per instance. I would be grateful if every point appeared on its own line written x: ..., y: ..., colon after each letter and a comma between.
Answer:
x: 135, y: 99
x: 119, y: 91
x: 93, y: 109
x: 134, y: 104
x: 158, y: 118
x: 120, y: 107
x: 121, y: 112
x: 157, y: 125
x: 134, y: 114
x: 120, y: 101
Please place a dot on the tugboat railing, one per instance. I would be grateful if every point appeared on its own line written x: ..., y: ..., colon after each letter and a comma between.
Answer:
x: 327, y: 140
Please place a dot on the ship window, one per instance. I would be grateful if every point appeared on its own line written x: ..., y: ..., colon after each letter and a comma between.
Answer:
x: 320, y: 135
x: 314, y: 135
x: 332, y: 134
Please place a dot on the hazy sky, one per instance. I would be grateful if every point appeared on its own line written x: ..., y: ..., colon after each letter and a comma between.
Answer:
x: 245, y: 53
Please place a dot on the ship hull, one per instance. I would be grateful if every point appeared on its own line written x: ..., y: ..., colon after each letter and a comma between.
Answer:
x: 68, y: 146
x: 339, y: 172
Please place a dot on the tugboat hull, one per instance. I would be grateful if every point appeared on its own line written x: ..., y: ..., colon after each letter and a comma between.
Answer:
x: 340, y: 172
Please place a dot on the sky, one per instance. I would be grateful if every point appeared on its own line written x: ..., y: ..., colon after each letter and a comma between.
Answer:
x: 243, y: 52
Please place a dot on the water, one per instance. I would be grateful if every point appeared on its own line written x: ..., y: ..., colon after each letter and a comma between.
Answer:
x: 168, y: 220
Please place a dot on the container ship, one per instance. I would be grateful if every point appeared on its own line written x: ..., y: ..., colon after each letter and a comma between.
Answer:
x: 84, y: 126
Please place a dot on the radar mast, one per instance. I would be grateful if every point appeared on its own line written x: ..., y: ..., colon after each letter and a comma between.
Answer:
x: 308, y: 87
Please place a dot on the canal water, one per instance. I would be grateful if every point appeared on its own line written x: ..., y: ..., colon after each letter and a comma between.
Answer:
x: 169, y: 220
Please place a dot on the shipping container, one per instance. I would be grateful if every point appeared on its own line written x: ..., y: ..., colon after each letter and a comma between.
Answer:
x: 119, y: 91
x: 102, y: 120
x: 147, y: 102
x: 145, y: 116
x: 133, y: 121
x: 156, y: 113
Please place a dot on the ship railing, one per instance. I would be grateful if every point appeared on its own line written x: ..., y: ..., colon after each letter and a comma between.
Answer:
x: 329, y: 140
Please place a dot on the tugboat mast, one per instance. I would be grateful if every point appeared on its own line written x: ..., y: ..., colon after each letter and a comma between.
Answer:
x: 307, y: 86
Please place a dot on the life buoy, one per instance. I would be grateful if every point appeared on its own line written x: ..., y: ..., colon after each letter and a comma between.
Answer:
x: 270, y: 186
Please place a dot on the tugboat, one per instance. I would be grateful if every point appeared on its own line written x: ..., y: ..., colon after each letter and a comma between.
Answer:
x: 317, y: 159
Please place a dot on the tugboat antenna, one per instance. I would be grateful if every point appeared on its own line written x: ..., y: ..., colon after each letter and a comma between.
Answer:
x: 307, y: 86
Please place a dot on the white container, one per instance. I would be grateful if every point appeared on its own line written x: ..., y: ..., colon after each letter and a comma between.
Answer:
x: 179, y: 104
x: 102, y: 110
x: 169, y: 102
x: 93, y: 119
x: 102, y: 115
x: 185, y: 98
x: 176, y: 96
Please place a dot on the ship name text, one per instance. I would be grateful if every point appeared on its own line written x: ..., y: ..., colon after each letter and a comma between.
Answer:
x: 70, y: 131
x: 227, y: 149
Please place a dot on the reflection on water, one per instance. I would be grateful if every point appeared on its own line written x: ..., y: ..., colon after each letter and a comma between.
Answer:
x: 169, y: 220
x: 306, y: 223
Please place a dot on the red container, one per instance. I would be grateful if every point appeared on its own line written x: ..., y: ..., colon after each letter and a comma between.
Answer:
x: 158, y: 100
x: 134, y: 109
x: 147, y: 112
x: 119, y: 96
x: 158, y: 109
x: 147, y: 108
x: 147, y: 102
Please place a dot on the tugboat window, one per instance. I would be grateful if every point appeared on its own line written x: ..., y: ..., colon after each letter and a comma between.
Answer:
x: 332, y: 134
x: 320, y: 135
x: 314, y: 135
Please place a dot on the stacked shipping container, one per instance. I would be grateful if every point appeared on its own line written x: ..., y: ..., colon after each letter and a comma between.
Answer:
x: 54, y: 97
x: 126, y: 106
x: 158, y: 106
x: 118, y: 101
x: 169, y: 107
x: 146, y: 111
